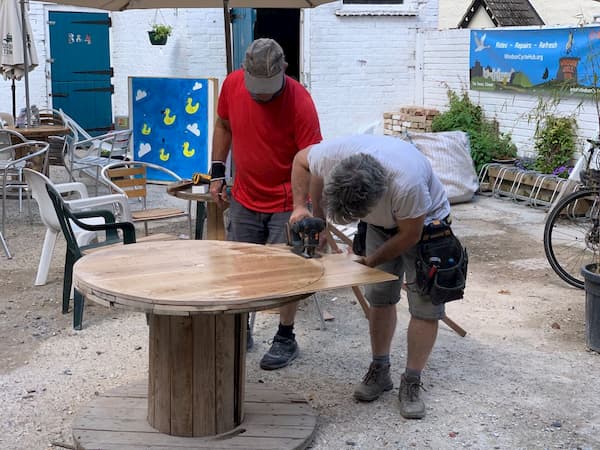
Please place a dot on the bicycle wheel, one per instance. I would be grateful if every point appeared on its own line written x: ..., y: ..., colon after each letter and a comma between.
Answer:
x: 571, y: 235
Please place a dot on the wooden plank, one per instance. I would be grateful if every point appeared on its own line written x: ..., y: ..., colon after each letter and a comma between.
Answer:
x: 113, y: 422
x: 240, y: 360
x: 225, y: 391
x: 204, y: 375
x: 214, y: 221
x: 162, y: 374
x: 152, y: 362
x: 89, y: 439
x: 181, y: 367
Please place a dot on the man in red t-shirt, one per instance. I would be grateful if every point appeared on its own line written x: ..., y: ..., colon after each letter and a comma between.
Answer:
x: 266, y: 117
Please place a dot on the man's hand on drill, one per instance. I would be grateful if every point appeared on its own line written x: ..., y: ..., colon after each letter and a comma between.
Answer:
x: 299, y: 213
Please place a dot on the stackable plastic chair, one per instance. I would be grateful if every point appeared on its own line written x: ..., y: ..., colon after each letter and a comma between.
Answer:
x: 37, y: 183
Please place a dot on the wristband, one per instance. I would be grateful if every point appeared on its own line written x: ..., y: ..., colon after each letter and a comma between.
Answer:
x: 217, y: 171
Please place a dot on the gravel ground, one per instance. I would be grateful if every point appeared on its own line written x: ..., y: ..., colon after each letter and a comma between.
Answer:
x: 521, y: 378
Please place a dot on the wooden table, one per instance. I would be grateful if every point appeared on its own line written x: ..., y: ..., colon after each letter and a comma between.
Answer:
x: 42, y: 132
x: 206, y: 208
x: 197, y: 295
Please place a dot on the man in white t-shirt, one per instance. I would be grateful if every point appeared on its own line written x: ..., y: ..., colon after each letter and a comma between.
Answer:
x: 390, y: 185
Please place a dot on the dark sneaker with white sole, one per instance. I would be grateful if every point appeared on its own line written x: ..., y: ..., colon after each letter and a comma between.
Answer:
x: 411, y: 405
x: 282, y: 352
x: 376, y: 382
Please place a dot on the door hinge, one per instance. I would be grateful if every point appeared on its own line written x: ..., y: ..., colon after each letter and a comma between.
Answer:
x: 106, y: 22
x: 108, y: 72
x: 110, y: 89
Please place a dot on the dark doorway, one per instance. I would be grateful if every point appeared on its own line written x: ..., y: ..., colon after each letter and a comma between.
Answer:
x: 283, y: 25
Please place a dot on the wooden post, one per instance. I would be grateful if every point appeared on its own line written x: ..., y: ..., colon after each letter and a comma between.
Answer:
x: 196, y: 373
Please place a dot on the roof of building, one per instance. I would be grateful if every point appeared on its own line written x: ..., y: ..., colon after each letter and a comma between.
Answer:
x: 504, y: 13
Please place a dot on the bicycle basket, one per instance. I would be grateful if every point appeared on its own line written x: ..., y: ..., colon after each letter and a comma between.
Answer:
x: 590, y: 178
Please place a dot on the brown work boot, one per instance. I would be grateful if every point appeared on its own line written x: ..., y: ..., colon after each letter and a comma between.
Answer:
x: 411, y: 406
x: 376, y: 381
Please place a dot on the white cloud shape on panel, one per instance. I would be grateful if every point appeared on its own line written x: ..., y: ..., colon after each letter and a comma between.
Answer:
x: 197, y: 86
x: 144, y: 150
x: 140, y: 95
x: 193, y: 128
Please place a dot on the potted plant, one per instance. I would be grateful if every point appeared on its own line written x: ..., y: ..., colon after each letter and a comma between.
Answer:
x: 159, y: 34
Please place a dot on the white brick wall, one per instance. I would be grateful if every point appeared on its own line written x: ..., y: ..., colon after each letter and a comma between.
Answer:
x: 362, y: 66
x: 446, y: 65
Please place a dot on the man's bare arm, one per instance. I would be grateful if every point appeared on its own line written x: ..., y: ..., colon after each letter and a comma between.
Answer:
x: 221, y: 145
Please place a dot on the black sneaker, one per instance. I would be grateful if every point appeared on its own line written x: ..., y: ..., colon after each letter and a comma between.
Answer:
x: 411, y: 405
x: 282, y: 352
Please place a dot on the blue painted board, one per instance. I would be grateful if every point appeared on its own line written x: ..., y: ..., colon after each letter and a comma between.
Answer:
x: 170, y: 119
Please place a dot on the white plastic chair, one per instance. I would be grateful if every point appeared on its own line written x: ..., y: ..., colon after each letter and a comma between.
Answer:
x: 37, y: 182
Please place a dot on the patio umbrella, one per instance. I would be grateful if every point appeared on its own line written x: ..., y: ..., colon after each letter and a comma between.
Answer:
x: 18, y: 55
x: 121, y: 5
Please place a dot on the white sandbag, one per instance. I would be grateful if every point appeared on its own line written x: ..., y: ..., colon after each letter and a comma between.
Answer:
x: 450, y: 156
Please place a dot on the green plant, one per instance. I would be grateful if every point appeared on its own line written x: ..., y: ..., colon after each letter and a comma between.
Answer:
x: 161, y: 31
x: 555, y: 142
x: 487, y: 142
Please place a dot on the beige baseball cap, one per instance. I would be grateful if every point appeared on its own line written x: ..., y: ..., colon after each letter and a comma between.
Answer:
x: 264, y: 67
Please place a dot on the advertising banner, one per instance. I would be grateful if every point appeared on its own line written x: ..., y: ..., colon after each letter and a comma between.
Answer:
x: 563, y: 59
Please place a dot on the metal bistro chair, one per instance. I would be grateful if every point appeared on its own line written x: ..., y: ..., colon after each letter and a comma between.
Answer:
x: 130, y: 178
x: 91, y: 155
x: 13, y: 160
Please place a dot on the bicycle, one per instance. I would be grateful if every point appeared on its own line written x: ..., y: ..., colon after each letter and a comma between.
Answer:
x: 572, y: 229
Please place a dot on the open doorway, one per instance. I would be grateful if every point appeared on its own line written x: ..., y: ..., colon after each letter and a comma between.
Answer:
x: 283, y: 25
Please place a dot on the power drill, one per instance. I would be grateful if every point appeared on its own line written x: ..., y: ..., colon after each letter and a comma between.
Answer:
x: 303, y: 236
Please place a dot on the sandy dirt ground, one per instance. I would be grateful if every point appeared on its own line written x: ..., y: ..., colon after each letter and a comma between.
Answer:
x: 521, y: 378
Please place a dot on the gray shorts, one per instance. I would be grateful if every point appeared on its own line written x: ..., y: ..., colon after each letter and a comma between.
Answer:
x: 388, y: 293
x: 245, y: 225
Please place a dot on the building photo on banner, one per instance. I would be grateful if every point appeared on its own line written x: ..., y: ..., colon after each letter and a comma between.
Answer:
x: 541, y: 60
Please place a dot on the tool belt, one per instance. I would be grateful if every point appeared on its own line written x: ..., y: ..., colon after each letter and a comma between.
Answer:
x: 441, y: 264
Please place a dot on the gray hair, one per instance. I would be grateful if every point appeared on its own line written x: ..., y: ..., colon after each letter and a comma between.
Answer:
x: 353, y: 188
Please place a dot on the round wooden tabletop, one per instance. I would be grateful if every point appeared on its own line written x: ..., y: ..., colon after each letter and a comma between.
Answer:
x: 196, y: 276
x: 187, y: 194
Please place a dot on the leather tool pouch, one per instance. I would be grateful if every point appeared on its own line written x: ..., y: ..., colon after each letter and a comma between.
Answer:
x: 441, y: 264
x: 359, y: 243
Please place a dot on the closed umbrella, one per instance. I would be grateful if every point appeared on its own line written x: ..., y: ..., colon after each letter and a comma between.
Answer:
x: 120, y: 5
x: 18, y: 55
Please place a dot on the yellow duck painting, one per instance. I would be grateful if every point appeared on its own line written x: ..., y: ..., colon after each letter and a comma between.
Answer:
x: 187, y: 151
x: 164, y: 156
x: 191, y: 109
x: 168, y: 119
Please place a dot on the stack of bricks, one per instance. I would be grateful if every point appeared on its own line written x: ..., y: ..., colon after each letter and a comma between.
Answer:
x: 409, y: 118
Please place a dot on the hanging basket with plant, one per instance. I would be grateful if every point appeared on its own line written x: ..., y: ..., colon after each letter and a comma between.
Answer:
x: 159, y: 34
x: 160, y: 31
